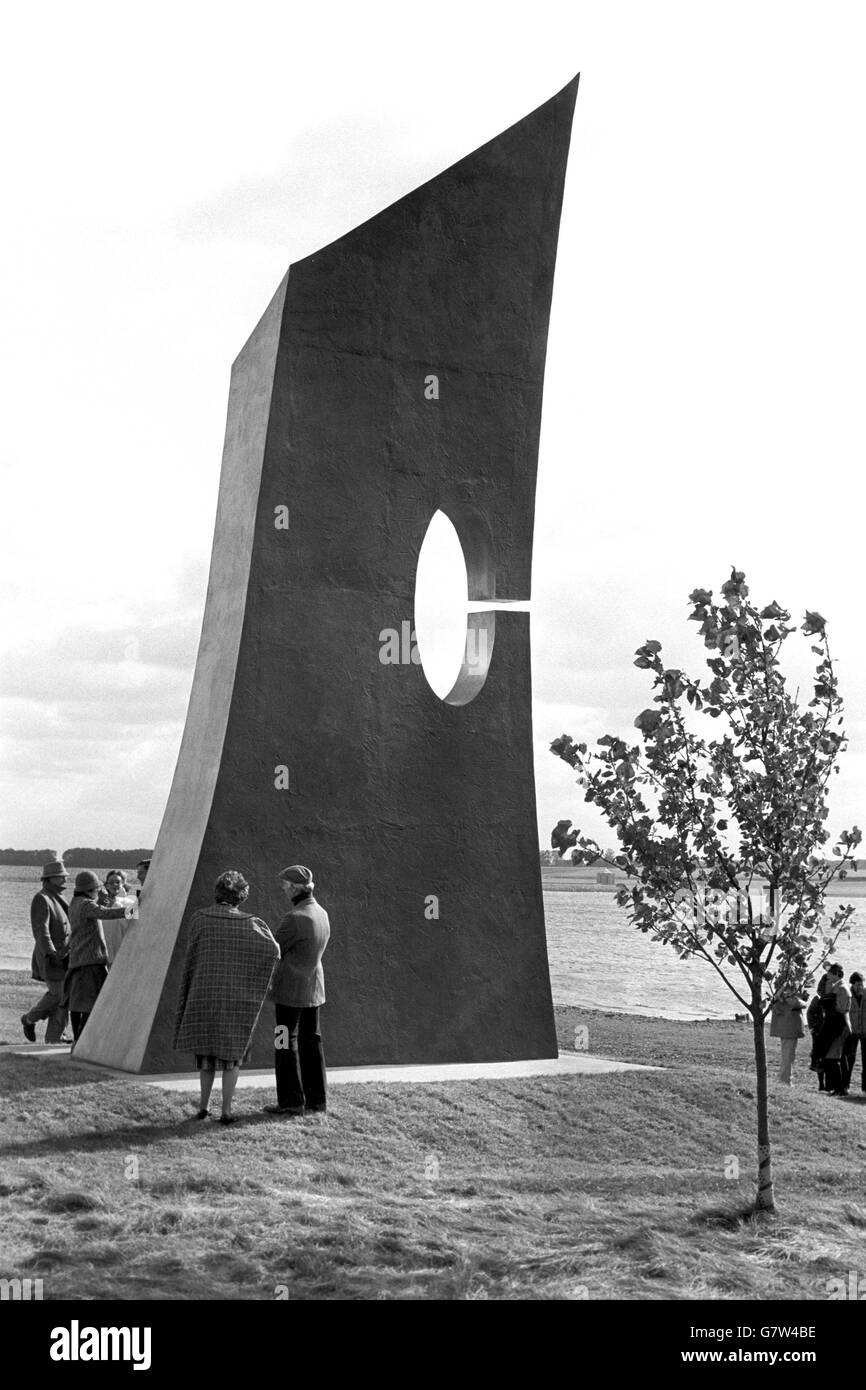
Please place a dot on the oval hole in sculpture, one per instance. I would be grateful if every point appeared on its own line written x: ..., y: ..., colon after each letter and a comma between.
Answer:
x: 454, y: 646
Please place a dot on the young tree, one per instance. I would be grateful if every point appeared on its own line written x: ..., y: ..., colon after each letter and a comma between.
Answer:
x: 702, y: 821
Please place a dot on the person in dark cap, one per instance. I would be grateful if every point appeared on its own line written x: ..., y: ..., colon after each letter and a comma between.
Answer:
x: 298, y: 992
x: 857, y: 1023
x: 88, y: 951
x: 49, y: 922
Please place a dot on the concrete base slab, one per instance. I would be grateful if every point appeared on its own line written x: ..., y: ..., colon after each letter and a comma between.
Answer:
x: 566, y: 1064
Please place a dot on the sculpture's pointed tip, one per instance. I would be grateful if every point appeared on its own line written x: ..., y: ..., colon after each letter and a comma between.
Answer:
x: 569, y: 91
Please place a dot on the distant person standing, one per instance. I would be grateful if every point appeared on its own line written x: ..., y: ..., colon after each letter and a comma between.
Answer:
x: 141, y: 869
x: 113, y: 888
x: 88, y: 952
x: 787, y: 1024
x: 49, y: 922
x: 114, y: 894
x: 835, y: 1052
x: 298, y: 993
x: 857, y: 1022
x: 230, y: 960
x: 815, y: 1016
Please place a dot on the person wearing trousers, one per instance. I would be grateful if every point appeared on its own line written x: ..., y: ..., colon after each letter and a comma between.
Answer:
x: 857, y: 1022
x: 298, y: 993
x: 49, y: 921
x: 815, y: 1022
x: 787, y: 1024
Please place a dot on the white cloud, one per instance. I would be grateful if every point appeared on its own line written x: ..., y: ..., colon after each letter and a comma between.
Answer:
x: 706, y: 354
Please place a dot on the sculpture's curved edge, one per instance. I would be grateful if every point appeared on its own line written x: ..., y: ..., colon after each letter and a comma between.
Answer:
x: 115, y: 1036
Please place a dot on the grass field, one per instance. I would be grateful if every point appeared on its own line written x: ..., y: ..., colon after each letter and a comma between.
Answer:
x: 554, y: 1188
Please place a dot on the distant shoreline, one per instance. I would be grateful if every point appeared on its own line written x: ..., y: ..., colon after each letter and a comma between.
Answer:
x: 573, y: 878
x: 79, y: 854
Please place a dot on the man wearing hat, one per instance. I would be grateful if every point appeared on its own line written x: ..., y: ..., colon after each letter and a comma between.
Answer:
x: 298, y: 991
x: 49, y: 921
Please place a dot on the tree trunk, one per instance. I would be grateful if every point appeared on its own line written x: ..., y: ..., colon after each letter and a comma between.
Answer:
x: 765, y: 1199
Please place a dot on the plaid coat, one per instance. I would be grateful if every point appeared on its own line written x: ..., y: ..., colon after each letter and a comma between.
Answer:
x: 230, y: 959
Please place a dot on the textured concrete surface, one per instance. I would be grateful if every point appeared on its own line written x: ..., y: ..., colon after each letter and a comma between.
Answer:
x: 566, y: 1064
x: 394, y: 796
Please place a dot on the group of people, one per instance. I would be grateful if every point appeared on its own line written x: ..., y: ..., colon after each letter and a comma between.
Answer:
x: 71, y: 949
x: 233, y: 963
x: 836, y: 1019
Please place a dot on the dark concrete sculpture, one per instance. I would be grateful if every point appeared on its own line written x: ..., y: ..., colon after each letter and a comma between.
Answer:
x: 396, y: 372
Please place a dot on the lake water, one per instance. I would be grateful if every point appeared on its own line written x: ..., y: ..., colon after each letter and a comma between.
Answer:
x: 597, y: 961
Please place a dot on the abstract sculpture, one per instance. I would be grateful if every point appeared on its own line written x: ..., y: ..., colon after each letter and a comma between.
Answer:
x: 396, y: 372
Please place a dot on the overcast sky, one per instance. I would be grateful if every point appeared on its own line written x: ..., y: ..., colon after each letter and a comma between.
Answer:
x: 163, y: 164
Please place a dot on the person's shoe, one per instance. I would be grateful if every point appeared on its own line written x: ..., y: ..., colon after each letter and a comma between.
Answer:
x: 228, y: 1119
x: 283, y: 1109
x: 29, y: 1030
x: 201, y: 1114
x: 316, y: 1109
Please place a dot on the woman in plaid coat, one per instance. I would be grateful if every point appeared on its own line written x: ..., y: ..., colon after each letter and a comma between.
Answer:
x: 230, y: 959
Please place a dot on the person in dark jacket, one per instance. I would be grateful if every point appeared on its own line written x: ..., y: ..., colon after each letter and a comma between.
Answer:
x: 49, y: 922
x: 816, y: 1017
x: 88, y: 952
x: 298, y: 992
x: 857, y: 1021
